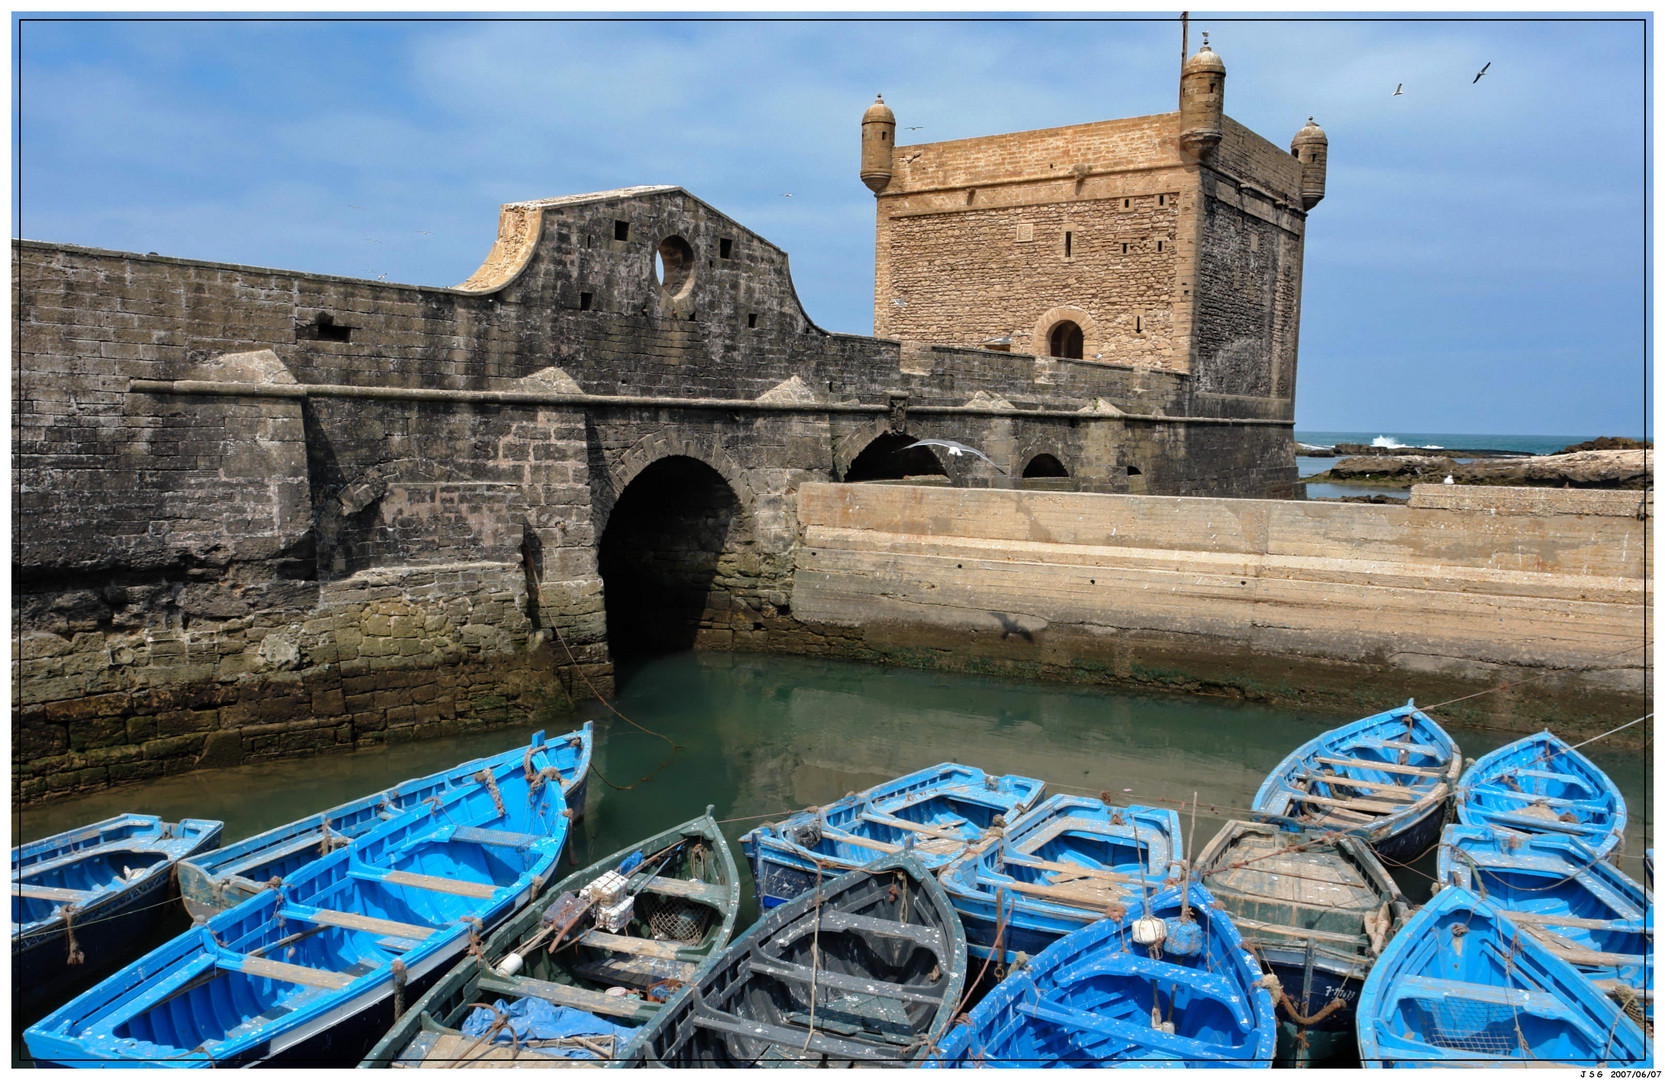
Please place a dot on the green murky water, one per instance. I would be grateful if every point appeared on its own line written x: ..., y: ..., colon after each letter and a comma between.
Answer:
x: 759, y: 736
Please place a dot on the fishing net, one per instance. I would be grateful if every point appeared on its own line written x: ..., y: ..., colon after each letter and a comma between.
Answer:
x: 1477, y: 1027
x: 673, y: 919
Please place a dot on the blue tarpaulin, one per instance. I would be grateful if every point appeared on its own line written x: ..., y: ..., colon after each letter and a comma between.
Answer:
x: 534, y: 1018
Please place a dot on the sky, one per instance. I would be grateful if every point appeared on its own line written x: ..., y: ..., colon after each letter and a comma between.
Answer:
x: 1476, y: 267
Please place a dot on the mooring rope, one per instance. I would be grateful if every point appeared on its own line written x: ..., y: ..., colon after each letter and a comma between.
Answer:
x: 573, y: 660
x: 1531, y: 679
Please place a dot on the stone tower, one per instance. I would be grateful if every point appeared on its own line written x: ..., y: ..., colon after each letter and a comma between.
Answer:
x: 1169, y: 242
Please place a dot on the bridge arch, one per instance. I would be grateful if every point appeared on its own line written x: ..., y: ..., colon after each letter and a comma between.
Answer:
x: 667, y: 554
x: 882, y: 457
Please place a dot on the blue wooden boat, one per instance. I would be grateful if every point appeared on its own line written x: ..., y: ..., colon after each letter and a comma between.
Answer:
x: 567, y: 1004
x: 933, y: 814
x: 1101, y: 997
x: 1462, y: 985
x: 1580, y: 907
x: 1316, y: 908
x: 211, y: 883
x: 1541, y: 786
x: 1070, y: 861
x: 103, y: 886
x: 314, y: 969
x: 1386, y: 778
x: 866, y: 969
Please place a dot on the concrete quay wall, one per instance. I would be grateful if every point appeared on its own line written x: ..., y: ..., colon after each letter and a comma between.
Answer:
x: 1352, y: 606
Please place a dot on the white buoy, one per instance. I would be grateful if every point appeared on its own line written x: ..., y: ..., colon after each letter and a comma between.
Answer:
x: 510, y: 964
x: 1149, y: 931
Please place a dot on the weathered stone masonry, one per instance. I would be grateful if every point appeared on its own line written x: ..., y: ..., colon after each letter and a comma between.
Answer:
x: 262, y: 511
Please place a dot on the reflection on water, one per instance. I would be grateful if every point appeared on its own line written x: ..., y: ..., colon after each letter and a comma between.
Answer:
x: 760, y: 736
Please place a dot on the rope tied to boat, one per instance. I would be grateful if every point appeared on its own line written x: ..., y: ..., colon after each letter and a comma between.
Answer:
x: 398, y: 967
x: 485, y: 777
x: 1335, y: 1005
x: 476, y: 947
x: 75, y: 956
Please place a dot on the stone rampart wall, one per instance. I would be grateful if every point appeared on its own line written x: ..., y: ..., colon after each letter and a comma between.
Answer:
x: 1359, y: 606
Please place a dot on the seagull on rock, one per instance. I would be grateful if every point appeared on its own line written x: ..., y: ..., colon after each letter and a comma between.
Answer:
x: 955, y: 449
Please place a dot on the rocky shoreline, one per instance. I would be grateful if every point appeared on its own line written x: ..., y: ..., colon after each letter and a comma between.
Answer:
x: 1621, y: 469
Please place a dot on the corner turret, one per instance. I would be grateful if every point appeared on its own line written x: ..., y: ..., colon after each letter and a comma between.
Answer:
x: 1202, y: 101
x: 1312, y: 149
x: 878, y: 138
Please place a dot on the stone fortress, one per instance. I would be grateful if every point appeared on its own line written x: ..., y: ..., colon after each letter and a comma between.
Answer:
x: 263, y: 512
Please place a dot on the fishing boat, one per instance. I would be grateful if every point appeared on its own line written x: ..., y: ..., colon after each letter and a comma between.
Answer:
x: 1461, y: 985
x: 313, y: 969
x: 1541, y: 786
x: 211, y: 883
x: 574, y: 976
x: 83, y: 900
x: 1316, y: 908
x: 865, y: 969
x: 1386, y: 778
x: 1580, y: 907
x: 933, y: 814
x: 1168, y: 983
x: 1070, y: 861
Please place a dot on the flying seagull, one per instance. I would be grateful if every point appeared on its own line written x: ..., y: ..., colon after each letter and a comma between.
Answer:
x: 1398, y: 90
x: 1482, y: 72
x: 917, y: 127
x: 786, y: 194
x: 954, y: 449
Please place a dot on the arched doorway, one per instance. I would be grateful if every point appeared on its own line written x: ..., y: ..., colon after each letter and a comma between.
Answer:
x: 884, y: 459
x: 1066, y: 340
x: 659, y: 555
x: 1044, y: 465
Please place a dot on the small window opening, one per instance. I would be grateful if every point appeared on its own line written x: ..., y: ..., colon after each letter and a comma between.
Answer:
x: 1159, y: 245
x: 589, y: 241
x: 884, y: 136
x: 725, y: 248
x: 584, y: 301
x: 621, y: 230
x: 1138, y: 324
x: 691, y: 316
x: 1065, y: 341
x: 1069, y: 243
x: 751, y: 321
x: 1126, y: 203
x: 323, y: 327
x: 1161, y: 200
x: 1133, y: 470
x: 1124, y: 249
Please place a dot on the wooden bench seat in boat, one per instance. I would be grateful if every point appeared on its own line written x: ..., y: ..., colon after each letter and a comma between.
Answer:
x: 1069, y: 868
x: 641, y: 970
x: 1178, y: 1045
x: 1359, y: 805
x: 592, y: 1001
x: 49, y: 892
x: 1382, y: 766
x: 292, y: 973
x: 469, y: 834
x: 782, y: 969
x: 1539, y: 919
x: 1247, y: 925
x: 794, y: 1038
x: 1546, y: 824
x: 1533, y: 1001
x: 477, y: 889
x: 715, y: 895
x: 929, y: 936
x: 1391, y: 744
x: 635, y: 946
x: 1496, y: 790
x: 1383, y: 791
x: 348, y: 920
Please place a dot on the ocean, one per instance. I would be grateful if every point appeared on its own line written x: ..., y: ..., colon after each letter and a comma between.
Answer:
x: 1525, y: 444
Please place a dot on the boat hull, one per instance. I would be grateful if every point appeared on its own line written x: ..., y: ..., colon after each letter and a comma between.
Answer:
x: 109, y: 929
x: 209, y: 885
x: 309, y: 972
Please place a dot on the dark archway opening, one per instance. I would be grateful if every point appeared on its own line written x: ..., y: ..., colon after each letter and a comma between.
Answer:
x: 659, y: 556
x: 1044, y: 465
x: 884, y: 459
x: 1066, y: 341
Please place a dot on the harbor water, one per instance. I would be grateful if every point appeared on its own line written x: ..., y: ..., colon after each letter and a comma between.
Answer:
x: 758, y: 737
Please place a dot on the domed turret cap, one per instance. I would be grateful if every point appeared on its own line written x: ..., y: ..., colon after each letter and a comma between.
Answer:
x: 878, y: 111
x: 1312, y: 133
x: 1205, y: 60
